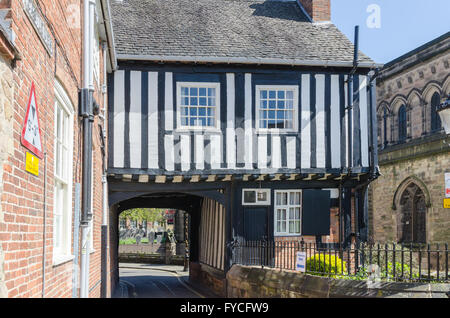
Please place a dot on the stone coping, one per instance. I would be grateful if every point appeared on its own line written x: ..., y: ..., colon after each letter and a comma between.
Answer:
x: 255, y: 282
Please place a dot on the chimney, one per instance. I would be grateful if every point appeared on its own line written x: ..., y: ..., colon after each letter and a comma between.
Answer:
x: 318, y: 10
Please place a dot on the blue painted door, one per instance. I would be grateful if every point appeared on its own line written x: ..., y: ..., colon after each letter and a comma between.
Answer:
x: 255, y: 224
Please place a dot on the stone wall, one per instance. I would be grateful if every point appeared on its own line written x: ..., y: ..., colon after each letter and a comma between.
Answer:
x: 6, y: 145
x: 421, y: 159
x: 253, y: 282
x: 209, y: 277
x: 427, y: 170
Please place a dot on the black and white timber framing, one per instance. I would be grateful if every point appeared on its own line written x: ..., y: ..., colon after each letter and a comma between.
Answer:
x: 237, y: 47
x: 145, y: 139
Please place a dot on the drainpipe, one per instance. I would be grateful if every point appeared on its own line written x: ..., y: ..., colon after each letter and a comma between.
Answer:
x: 87, y: 115
x: 350, y: 102
x: 104, y: 269
x: 350, y: 97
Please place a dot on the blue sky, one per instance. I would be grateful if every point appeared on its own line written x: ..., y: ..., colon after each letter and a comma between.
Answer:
x: 403, y: 25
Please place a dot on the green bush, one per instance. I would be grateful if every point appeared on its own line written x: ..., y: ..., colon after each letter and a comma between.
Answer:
x: 326, y: 264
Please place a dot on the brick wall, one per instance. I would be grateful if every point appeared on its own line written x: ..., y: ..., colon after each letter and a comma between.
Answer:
x: 318, y: 10
x: 6, y: 148
x: 22, y: 202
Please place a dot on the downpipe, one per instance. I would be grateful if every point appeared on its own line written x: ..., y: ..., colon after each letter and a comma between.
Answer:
x: 104, y: 260
x: 87, y: 114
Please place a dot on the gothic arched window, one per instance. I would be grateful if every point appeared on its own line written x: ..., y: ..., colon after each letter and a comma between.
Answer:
x: 435, y: 119
x: 411, y: 224
x: 402, y: 123
x: 385, y: 116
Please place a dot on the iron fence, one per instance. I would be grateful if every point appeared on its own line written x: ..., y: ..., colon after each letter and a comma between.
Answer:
x: 391, y: 262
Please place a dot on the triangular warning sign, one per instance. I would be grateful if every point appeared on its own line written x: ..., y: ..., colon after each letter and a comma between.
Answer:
x: 31, y: 133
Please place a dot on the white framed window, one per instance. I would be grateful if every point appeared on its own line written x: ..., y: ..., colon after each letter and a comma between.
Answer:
x: 63, y: 156
x: 277, y: 108
x: 198, y: 106
x: 288, y: 211
x: 256, y: 197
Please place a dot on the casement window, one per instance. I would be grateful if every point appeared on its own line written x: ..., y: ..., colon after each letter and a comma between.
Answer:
x: 288, y: 208
x: 277, y: 108
x: 198, y: 106
x: 63, y: 161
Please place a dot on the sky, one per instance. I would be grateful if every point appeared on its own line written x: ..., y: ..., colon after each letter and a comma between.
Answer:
x: 391, y: 28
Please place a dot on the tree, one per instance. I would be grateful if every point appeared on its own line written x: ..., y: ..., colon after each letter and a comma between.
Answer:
x: 144, y: 214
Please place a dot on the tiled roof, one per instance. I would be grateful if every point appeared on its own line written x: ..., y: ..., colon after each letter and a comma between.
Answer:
x: 219, y: 29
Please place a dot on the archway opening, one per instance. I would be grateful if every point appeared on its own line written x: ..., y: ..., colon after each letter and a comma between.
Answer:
x: 173, y: 232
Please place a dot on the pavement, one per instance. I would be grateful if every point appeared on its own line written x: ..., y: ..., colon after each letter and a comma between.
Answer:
x: 157, y: 281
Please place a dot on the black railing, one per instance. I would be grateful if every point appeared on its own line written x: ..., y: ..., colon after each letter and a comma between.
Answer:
x: 390, y: 262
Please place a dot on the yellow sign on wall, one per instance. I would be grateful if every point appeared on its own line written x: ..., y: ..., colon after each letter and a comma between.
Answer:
x: 447, y: 203
x: 32, y: 164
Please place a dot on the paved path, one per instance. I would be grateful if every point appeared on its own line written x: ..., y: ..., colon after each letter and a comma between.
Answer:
x: 155, y: 281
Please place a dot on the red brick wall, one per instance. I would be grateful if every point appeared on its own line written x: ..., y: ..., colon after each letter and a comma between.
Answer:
x: 319, y: 10
x: 22, y: 201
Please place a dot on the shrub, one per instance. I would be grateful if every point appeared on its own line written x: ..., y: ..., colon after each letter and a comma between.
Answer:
x: 325, y: 264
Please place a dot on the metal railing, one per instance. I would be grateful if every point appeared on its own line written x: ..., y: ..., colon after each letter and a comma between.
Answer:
x: 390, y: 262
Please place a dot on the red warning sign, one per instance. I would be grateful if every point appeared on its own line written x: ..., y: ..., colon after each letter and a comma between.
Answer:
x: 31, y: 133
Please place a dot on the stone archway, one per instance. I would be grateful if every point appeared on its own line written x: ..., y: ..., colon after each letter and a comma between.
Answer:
x: 412, y: 215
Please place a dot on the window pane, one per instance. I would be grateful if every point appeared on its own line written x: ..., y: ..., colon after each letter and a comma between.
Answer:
x: 272, y: 104
x: 291, y: 214
x: 280, y: 94
x: 264, y: 94
x: 185, y: 91
x: 272, y: 94
x: 58, y: 123
x: 264, y: 104
x: 290, y: 95
x: 250, y: 196
x: 291, y: 227
x: 294, y: 198
x: 203, y: 102
x: 194, y: 101
x: 185, y: 101
x: 58, y: 159
x: 202, y: 111
x: 194, y: 91
x: 278, y: 198
x: 202, y: 91
x: 211, y: 92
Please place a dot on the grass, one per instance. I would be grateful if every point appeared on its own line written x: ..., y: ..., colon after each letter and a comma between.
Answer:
x: 131, y: 241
